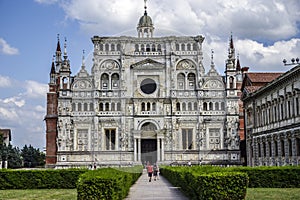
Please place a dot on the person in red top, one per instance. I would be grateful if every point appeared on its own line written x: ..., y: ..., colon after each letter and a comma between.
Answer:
x: 150, y: 171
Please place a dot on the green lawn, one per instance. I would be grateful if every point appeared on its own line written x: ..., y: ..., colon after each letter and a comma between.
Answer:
x: 273, y: 193
x: 70, y: 194
x: 45, y: 194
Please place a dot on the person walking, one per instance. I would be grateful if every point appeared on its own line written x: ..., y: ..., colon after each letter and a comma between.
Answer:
x: 155, y: 171
x: 149, y: 171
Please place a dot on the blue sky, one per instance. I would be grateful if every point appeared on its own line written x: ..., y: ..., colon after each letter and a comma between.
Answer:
x: 264, y: 33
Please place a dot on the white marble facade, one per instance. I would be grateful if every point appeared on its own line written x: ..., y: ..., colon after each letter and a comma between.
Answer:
x: 147, y: 99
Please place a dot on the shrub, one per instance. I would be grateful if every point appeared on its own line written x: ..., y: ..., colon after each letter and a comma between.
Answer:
x: 107, y: 183
x: 39, y: 179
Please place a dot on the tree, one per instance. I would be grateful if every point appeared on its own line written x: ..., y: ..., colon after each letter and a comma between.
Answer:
x: 13, y: 157
x: 32, y: 157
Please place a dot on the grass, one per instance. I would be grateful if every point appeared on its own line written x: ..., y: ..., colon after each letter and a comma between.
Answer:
x: 71, y: 194
x: 45, y: 194
x: 273, y: 193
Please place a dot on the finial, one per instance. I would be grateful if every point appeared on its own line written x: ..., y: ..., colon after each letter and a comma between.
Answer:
x: 83, y: 64
x: 58, y: 37
x: 65, y: 46
x: 145, y: 6
x: 212, y: 56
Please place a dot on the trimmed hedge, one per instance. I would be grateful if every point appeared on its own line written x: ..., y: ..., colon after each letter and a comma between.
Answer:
x: 272, y: 177
x: 107, y: 183
x: 212, y: 185
x: 39, y: 179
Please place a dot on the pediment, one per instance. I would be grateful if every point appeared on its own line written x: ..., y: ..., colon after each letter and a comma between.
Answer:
x: 213, y: 84
x: 147, y: 64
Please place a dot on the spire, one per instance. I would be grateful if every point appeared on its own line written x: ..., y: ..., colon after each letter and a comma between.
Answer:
x: 53, y: 66
x: 83, y: 60
x: 212, y: 58
x: 238, y: 65
x: 58, y: 44
x: 231, y: 42
x: 52, y: 72
x: 65, y: 49
x: 145, y: 6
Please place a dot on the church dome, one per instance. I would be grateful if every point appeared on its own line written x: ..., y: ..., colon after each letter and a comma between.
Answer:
x: 145, y: 21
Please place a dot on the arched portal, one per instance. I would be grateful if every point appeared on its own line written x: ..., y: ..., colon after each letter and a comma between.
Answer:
x: 148, y: 143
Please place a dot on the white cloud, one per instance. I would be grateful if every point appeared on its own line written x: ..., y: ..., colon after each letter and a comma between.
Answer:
x: 14, y: 100
x: 6, y: 49
x: 5, y: 82
x: 35, y: 89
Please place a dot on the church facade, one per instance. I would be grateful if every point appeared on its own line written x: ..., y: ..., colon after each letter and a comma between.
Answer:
x: 146, y: 99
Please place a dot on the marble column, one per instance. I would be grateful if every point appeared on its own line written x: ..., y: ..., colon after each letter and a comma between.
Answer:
x: 158, y: 149
x: 139, y: 150
x: 134, y: 150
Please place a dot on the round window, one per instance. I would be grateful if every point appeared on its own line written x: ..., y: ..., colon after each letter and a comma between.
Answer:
x: 148, y: 86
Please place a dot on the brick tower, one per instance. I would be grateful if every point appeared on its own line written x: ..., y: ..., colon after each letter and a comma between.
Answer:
x: 51, y: 116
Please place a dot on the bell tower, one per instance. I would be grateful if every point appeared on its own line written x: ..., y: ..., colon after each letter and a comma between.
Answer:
x: 52, y: 115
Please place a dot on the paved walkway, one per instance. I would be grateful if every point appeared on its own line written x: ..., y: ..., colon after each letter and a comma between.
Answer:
x: 159, y: 189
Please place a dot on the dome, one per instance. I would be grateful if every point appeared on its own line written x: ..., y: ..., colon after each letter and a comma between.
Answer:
x: 145, y: 21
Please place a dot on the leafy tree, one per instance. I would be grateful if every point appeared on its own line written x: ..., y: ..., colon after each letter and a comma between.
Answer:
x: 13, y: 157
x: 32, y: 157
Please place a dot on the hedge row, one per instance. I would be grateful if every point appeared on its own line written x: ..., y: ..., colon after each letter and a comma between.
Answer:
x: 212, y: 185
x: 262, y: 177
x: 272, y: 177
x: 107, y: 183
x: 39, y: 179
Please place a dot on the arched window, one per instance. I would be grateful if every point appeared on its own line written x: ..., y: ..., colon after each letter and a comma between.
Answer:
x: 210, y: 106
x: 195, y: 106
x: 148, y: 106
x: 177, y: 47
x: 148, y: 47
x: 118, y: 47
x: 231, y: 82
x: 158, y: 47
x: 183, y: 106
x: 112, y: 47
x: 137, y: 47
x: 205, y: 106
x: 178, y: 106
x: 104, y: 81
x: 118, y: 106
x: 113, y: 108
x: 153, y: 47
x: 153, y: 106
x: 191, y: 79
x: 189, y: 106
x: 79, y: 106
x: 115, y: 81
x: 222, y: 106
x: 106, y: 106
x: 101, y: 47
x: 143, y: 106
x: 85, y: 107
x: 194, y: 47
x: 100, y: 106
x: 91, y: 107
x: 142, y: 47
x: 182, y: 47
x: 106, y: 47
x: 188, y: 47
x: 180, y: 81
x: 73, y: 106
x: 217, y: 106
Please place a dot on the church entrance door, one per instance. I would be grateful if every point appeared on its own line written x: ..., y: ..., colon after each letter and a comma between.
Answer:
x: 149, y: 150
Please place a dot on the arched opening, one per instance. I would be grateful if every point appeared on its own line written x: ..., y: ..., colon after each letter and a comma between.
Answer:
x: 180, y: 81
x: 104, y: 81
